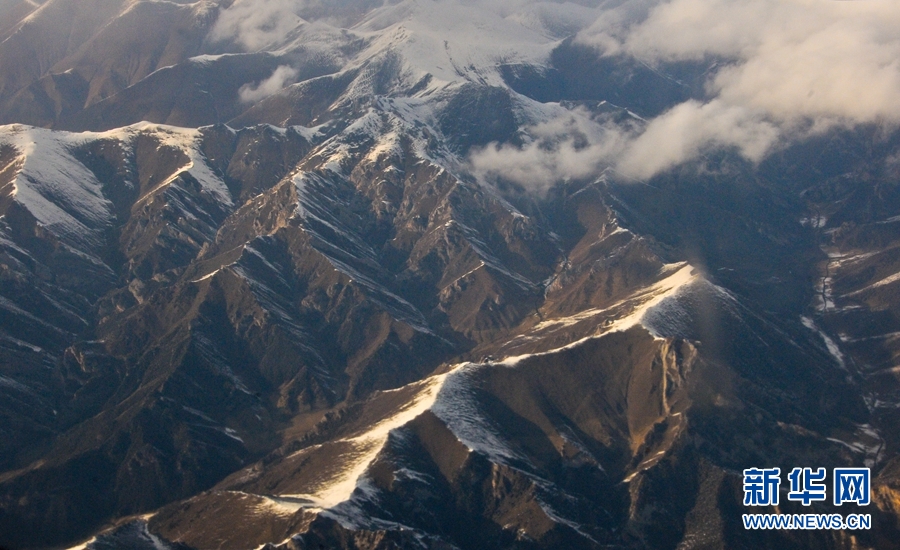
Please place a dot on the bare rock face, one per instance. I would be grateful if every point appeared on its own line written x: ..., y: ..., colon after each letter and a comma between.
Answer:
x: 241, y: 311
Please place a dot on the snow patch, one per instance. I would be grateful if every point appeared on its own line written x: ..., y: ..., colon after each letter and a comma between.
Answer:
x: 20, y: 343
x: 270, y: 505
x: 388, y: 145
x: 883, y: 282
x: 61, y: 193
x: 65, y: 196
x: 653, y: 299
x: 656, y: 295
x: 207, y: 276
x: 367, y: 446
x: 10, y: 383
x: 187, y: 140
x: 833, y: 348
x: 824, y: 295
x: 452, y: 42
x: 815, y: 222
x: 84, y: 546
x: 456, y: 407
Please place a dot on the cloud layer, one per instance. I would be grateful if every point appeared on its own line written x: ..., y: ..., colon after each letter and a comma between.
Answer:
x: 569, y: 147
x: 686, y: 130
x: 792, y: 59
x: 781, y: 70
x: 572, y: 146
x: 256, y: 24
x: 280, y: 78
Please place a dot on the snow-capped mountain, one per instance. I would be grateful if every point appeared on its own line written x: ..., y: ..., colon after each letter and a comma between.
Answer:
x: 368, y: 275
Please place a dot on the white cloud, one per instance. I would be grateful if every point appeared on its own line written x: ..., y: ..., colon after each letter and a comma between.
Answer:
x: 573, y: 147
x: 793, y: 59
x: 786, y: 69
x: 687, y: 130
x: 256, y: 24
x: 280, y: 77
x: 612, y: 24
x: 570, y: 147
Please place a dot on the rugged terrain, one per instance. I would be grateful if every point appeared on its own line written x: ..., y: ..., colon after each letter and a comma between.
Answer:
x: 263, y: 293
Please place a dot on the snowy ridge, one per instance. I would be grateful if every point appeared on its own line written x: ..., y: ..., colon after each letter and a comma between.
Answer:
x: 647, y: 307
x: 338, y: 489
x: 136, y: 535
x: 426, y: 47
x: 382, y: 127
x: 456, y: 406
x: 658, y: 294
x: 481, y: 40
x: 84, y: 546
x: 678, y: 275
x: 61, y: 194
x: 65, y: 197
x: 450, y: 397
x: 186, y: 140
x: 267, y: 505
x: 447, y: 396
x: 671, y: 317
